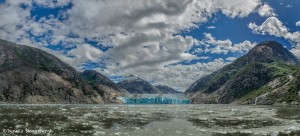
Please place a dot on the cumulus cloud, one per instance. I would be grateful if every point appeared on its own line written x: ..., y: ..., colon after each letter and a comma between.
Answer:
x: 52, y: 3
x: 83, y: 53
x: 144, y: 33
x: 298, y: 23
x: 184, y: 75
x: 178, y: 76
x: 212, y: 45
x: 231, y: 58
x: 142, y: 36
x: 237, y: 8
x: 266, y: 11
x: 273, y: 26
x: 211, y: 27
x: 288, y: 6
x: 11, y: 16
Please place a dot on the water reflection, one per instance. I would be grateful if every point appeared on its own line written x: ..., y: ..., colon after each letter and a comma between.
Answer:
x: 156, y: 120
x: 289, y: 112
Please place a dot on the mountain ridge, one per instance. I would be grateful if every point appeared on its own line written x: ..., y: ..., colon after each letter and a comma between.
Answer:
x: 30, y: 75
x: 261, y: 65
x: 166, y: 89
x: 137, y: 85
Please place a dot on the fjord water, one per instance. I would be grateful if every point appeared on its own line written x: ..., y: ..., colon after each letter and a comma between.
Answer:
x: 152, y: 120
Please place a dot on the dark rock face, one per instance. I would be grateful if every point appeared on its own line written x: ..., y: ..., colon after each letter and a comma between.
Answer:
x: 166, y: 89
x: 246, y: 77
x: 137, y: 85
x: 268, y: 52
x: 103, y: 85
x: 30, y: 75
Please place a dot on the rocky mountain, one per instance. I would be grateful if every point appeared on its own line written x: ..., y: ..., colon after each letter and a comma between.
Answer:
x: 166, y: 89
x: 267, y: 74
x: 30, y: 75
x: 103, y: 85
x: 137, y: 85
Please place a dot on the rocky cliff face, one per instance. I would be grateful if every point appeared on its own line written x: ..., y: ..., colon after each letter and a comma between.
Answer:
x: 137, y: 85
x: 30, y: 75
x: 104, y: 86
x: 248, y: 77
x: 166, y: 89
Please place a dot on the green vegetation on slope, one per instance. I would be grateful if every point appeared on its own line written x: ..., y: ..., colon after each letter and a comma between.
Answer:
x: 281, y: 72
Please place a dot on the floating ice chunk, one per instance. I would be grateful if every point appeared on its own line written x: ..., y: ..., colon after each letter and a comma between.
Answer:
x: 99, y: 133
x: 293, y: 128
x: 137, y: 128
x: 95, y: 126
x: 222, y: 132
x: 179, y: 132
x: 240, y: 118
x: 256, y: 133
x: 287, y: 132
x: 276, y: 133
x: 232, y: 132
x: 118, y: 133
x: 210, y: 112
x: 233, y: 110
x: 274, y: 110
x: 203, y: 119
x: 246, y: 132
x: 19, y: 126
x: 85, y: 124
x: 202, y: 130
x: 88, y: 115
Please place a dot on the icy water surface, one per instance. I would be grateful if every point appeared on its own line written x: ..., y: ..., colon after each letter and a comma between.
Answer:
x: 149, y: 120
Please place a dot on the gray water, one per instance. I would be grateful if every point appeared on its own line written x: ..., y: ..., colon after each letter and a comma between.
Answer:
x: 149, y: 120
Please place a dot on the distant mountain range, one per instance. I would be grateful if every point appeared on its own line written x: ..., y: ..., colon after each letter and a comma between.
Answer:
x: 268, y: 74
x: 136, y: 85
x: 166, y: 89
x: 30, y: 75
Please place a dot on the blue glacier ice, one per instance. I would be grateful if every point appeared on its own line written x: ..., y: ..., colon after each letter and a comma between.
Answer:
x: 155, y: 99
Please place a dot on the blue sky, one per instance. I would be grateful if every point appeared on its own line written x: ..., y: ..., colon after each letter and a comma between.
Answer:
x: 165, y: 42
x: 237, y: 31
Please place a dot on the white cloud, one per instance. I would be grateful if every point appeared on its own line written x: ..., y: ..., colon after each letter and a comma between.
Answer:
x: 231, y: 58
x: 266, y: 11
x: 177, y: 76
x: 237, y: 8
x: 273, y: 26
x: 12, y: 16
x: 244, y: 46
x: 52, y: 3
x: 203, y: 57
x: 288, y: 6
x: 183, y: 75
x: 211, y: 27
x: 84, y: 53
x: 143, y: 35
x: 298, y: 23
x: 151, y: 24
x: 212, y: 45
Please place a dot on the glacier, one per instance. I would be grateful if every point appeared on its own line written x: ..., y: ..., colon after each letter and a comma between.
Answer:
x: 155, y: 99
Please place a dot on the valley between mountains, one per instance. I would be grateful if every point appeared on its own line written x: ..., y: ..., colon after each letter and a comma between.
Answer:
x: 268, y: 74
